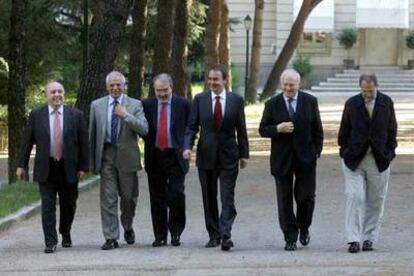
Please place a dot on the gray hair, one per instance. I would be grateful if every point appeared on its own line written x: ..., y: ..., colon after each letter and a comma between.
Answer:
x: 49, y: 83
x: 164, y: 78
x: 290, y: 72
x: 368, y: 77
x: 116, y: 74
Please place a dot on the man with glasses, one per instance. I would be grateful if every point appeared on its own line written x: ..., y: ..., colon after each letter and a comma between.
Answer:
x: 116, y: 121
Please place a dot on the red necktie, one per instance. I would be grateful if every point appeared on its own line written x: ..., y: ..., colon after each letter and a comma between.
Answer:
x: 162, y: 129
x: 218, y: 115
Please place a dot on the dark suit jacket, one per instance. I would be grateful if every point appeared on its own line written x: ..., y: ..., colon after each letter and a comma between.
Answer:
x: 180, y: 112
x: 218, y: 148
x: 75, y: 143
x: 306, y: 141
x: 358, y: 131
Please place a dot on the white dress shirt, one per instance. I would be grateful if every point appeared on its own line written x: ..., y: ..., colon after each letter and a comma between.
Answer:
x: 222, y: 101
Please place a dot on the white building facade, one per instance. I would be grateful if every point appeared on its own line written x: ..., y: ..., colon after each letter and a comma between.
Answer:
x: 381, y: 25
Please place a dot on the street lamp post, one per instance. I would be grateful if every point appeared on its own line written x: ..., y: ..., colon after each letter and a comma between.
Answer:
x: 247, y: 25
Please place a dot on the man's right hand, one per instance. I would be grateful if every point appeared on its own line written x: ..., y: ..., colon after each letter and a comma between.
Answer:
x: 187, y: 154
x: 20, y: 173
x: 285, y: 127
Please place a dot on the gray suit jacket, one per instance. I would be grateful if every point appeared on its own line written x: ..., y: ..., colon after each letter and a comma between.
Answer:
x: 128, y: 156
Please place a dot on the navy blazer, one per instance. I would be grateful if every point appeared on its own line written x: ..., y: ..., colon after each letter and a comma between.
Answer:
x: 218, y: 148
x: 180, y: 112
x: 75, y: 143
x: 357, y: 131
x: 304, y: 145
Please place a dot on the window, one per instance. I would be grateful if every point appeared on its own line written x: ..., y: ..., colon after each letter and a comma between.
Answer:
x: 315, y: 43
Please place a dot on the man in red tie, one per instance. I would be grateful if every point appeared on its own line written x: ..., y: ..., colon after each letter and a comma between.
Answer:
x: 167, y: 117
x: 62, y: 157
x: 219, y: 115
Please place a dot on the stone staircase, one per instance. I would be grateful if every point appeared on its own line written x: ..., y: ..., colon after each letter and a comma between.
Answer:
x: 390, y: 80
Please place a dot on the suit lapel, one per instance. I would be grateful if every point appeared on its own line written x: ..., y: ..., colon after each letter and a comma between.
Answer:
x: 299, y: 105
x: 379, y: 103
x: 282, y: 106
x: 67, y: 119
x: 45, y: 120
x: 228, y: 105
x: 173, y: 110
x: 154, y: 107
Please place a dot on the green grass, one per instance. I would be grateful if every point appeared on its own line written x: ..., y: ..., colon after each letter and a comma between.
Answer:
x: 15, y: 196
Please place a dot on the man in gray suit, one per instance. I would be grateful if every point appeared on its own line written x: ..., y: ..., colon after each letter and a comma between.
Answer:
x: 115, y: 123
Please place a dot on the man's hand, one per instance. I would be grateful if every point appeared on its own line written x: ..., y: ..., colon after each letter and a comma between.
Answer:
x: 121, y: 111
x: 187, y: 154
x: 20, y: 173
x: 243, y: 163
x: 80, y: 174
x: 285, y: 127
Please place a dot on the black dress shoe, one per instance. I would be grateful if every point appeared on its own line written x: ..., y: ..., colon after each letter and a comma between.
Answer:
x: 304, y: 238
x: 353, y: 247
x: 50, y: 249
x: 66, y: 241
x: 290, y: 246
x: 226, y: 244
x: 158, y: 243
x: 367, y: 246
x: 129, y: 236
x: 175, y: 241
x: 213, y: 243
x: 110, y: 244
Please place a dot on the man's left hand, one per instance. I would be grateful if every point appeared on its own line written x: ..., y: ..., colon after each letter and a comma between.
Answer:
x: 121, y: 111
x: 243, y: 163
x: 80, y: 174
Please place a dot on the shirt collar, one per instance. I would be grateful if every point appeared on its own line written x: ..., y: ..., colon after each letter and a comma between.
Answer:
x: 295, y: 98
x: 51, y: 110
x: 373, y: 99
x: 120, y: 98
x: 222, y: 95
x: 168, y: 103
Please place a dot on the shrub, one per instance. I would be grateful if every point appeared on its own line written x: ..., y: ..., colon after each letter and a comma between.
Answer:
x: 347, y: 37
x: 302, y: 65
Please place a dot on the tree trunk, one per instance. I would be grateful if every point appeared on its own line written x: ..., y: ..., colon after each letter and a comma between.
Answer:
x: 16, y: 119
x: 256, y: 47
x: 180, y: 51
x: 289, y: 48
x: 137, y: 49
x: 211, y: 57
x: 224, y: 42
x: 107, y: 37
x: 163, y: 38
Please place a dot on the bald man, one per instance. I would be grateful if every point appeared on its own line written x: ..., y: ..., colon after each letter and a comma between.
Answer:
x: 291, y: 119
x: 62, y: 158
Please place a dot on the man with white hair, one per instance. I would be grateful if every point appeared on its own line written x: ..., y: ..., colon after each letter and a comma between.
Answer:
x: 116, y: 121
x: 62, y: 158
x: 291, y: 119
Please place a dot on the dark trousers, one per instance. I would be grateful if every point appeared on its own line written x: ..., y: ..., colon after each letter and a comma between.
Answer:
x: 216, y: 227
x: 68, y: 194
x: 299, y: 183
x: 166, y: 186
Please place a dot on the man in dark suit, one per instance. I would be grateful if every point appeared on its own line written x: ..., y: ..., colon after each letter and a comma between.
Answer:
x: 291, y: 119
x: 167, y: 117
x: 367, y: 139
x: 218, y: 115
x: 62, y: 157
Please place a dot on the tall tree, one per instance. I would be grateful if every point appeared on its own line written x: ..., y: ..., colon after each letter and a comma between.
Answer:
x: 224, y: 42
x: 17, y: 81
x: 137, y: 49
x: 212, y: 35
x: 163, y: 38
x: 107, y: 36
x: 289, y: 48
x: 255, y: 58
x: 180, y: 50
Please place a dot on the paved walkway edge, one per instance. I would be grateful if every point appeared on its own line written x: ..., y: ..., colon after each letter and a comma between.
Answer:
x: 29, y: 211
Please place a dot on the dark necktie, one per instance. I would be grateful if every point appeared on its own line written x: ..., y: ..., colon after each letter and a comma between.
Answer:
x: 162, y: 129
x: 114, y: 125
x: 218, y: 114
x: 57, y: 137
x: 290, y: 108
